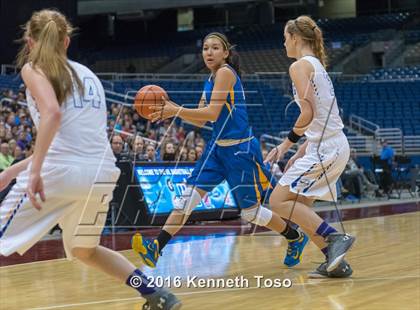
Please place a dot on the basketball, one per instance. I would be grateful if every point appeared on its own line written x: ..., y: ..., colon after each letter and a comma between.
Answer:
x: 147, y: 97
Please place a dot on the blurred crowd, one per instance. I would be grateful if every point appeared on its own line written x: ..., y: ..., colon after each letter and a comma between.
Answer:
x: 131, y: 136
x: 134, y: 138
x: 17, y: 133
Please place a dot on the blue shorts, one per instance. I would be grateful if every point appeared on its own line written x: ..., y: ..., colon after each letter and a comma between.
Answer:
x: 241, y: 166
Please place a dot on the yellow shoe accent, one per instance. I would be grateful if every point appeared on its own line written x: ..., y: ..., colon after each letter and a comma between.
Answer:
x: 137, y: 244
x: 148, y: 262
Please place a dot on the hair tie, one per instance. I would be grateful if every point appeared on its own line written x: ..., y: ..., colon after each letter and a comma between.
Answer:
x: 313, y: 28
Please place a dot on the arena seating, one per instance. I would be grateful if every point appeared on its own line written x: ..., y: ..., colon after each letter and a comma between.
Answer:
x: 388, y: 104
x: 396, y: 104
x: 395, y: 73
x: 260, y: 46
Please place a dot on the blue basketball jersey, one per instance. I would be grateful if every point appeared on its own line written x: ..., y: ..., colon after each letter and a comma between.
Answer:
x: 232, y: 122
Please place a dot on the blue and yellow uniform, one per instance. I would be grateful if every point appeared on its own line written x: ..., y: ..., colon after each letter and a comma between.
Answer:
x: 233, y: 153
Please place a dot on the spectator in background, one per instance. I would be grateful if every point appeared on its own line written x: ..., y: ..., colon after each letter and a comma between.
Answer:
x: 150, y: 152
x: 180, y: 135
x: 182, y: 154
x: 9, y: 135
x: 190, y: 138
x: 117, y: 145
x: 12, y: 147
x: 168, y: 153
x: 2, y: 133
x: 354, y: 178
x: 138, y: 149
x: 168, y: 130
x: 199, y: 151
x: 22, y: 141
x: 29, y: 150
x: 192, y: 155
x: 387, y: 155
x: 139, y: 123
x: 127, y: 129
x: 18, y: 154
x: 5, y: 158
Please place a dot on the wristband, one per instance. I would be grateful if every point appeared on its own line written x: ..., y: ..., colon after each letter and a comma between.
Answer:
x: 293, y: 137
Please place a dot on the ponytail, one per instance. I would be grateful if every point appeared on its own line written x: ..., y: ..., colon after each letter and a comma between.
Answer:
x: 234, y: 60
x: 319, y: 48
x: 49, y: 29
x: 308, y: 30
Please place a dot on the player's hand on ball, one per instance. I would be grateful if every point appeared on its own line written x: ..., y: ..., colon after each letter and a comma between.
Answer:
x: 167, y: 110
x: 35, y: 186
x: 275, y: 155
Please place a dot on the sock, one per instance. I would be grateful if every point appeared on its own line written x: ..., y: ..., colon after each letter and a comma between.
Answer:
x: 290, y: 233
x: 325, y: 252
x: 139, y: 282
x: 324, y: 230
x: 163, y: 239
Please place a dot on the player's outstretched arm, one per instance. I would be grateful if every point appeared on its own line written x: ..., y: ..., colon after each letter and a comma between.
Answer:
x: 200, y: 124
x: 224, y: 81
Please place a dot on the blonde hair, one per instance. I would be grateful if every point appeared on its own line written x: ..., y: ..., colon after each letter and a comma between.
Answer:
x: 308, y: 30
x: 49, y: 29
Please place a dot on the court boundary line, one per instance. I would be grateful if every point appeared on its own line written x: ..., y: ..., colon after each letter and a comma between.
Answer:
x: 318, y: 282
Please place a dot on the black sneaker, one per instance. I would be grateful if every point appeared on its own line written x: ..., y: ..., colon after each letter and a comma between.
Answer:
x: 338, y: 246
x: 342, y: 271
x: 162, y: 299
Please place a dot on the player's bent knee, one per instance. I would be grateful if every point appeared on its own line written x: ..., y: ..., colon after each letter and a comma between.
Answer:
x: 257, y: 215
x: 83, y: 253
x: 189, y: 200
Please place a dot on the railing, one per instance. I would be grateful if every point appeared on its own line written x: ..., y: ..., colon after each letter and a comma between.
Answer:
x: 282, y: 77
x: 108, y: 84
x: 393, y: 136
x: 364, y: 145
x: 22, y: 103
x: 124, y: 98
x: 411, y: 145
x: 272, y: 141
x: 8, y: 69
x: 115, y: 76
x: 362, y: 125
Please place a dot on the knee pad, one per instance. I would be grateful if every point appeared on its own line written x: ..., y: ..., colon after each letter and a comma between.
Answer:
x: 188, y: 201
x: 260, y: 216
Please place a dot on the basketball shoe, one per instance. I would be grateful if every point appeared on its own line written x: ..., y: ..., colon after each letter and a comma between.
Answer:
x: 147, y: 250
x: 295, y: 249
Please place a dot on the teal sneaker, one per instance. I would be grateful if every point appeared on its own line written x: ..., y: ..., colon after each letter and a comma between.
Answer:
x: 295, y: 249
x: 147, y: 250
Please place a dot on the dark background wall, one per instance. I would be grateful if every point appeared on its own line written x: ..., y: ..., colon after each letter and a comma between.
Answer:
x: 14, y: 13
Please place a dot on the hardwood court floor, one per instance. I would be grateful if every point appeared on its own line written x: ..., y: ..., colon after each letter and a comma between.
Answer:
x: 385, y: 259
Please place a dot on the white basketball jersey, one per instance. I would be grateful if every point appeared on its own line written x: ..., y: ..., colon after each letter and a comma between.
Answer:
x: 324, y: 101
x: 82, y: 136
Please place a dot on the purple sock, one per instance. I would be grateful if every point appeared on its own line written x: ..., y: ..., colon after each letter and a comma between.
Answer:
x: 139, y: 282
x: 325, y: 251
x: 324, y: 229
